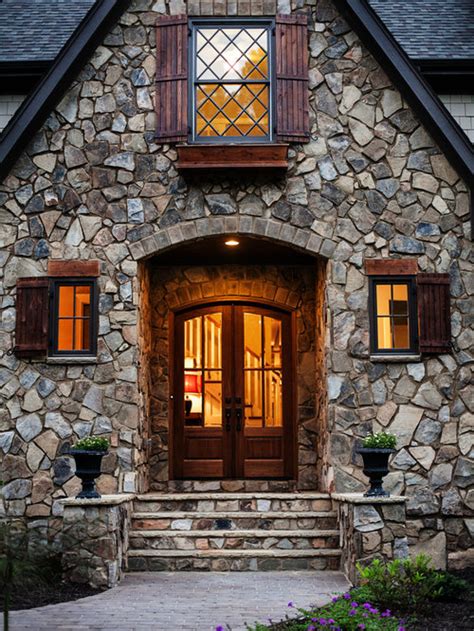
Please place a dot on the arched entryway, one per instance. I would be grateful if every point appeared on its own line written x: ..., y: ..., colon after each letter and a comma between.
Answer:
x: 218, y: 405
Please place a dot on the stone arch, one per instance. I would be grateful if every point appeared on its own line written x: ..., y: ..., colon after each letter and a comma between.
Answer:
x: 280, y: 233
x: 181, y: 285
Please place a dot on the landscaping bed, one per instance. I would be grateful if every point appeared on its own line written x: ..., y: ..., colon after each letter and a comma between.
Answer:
x: 398, y: 596
x: 47, y: 594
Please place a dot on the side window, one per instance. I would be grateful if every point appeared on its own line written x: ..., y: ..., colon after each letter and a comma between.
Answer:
x: 393, y: 312
x: 73, y: 317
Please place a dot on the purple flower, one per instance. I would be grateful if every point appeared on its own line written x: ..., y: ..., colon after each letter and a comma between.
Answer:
x: 352, y: 612
x: 220, y: 628
x: 386, y: 614
x: 322, y: 622
x: 401, y: 628
x: 354, y: 604
x: 310, y: 628
x: 361, y: 625
x: 367, y: 606
x: 290, y: 604
x: 347, y: 596
x: 335, y: 599
x: 365, y: 615
x: 331, y: 621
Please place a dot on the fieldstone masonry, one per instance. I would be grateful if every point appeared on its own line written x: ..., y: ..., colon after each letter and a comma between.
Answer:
x: 93, y: 184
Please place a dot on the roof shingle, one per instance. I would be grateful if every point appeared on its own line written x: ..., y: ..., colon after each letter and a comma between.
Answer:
x: 430, y: 29
x: 36, y: 30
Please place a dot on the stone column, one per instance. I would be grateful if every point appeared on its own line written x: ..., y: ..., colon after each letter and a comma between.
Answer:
x: 371, y: 528
x: 95, y: 539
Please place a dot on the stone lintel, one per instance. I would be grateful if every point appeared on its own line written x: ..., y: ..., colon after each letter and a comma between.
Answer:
x: 358, y: 498
x: 105, y: 500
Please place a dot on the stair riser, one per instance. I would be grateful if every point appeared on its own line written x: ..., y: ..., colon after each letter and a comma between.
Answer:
x: 237, y: 523
x: 246, y: 505
x: 141, y: 564
x: 232, y: 543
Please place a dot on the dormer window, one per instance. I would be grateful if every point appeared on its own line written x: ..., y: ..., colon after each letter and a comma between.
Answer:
x: 231, y: 89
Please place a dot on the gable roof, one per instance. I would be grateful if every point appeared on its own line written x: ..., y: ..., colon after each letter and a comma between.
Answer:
x: 36, y: 30
x: 359, y: 13
x: 430, y: 29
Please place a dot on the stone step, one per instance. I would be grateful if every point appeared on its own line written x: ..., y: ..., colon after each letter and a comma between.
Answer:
x: 234, y: 520
x: 233, y: 560
x: 249, y: 502
x: 234, y: 539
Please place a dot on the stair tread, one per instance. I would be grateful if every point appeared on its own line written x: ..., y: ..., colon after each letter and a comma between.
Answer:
x: 234, y: 533
x: 231, y: 514
x: 272, y: 552
x: 221, y: 495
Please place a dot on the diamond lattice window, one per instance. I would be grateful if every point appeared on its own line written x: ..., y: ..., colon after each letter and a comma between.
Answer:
x: 232, y: 82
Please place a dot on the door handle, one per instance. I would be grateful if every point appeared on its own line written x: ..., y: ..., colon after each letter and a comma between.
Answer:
x: 238, y: 416
x: 228, y: 415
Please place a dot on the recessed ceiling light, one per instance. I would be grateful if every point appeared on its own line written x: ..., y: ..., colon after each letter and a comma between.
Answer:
x: 232, y: 243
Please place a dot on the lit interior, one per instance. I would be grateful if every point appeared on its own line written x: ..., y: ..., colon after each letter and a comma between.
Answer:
x: 74, y: 312
x: 262, y: 371
x: 393, y: 331
x: 224, y: 106
x: 203, y: 370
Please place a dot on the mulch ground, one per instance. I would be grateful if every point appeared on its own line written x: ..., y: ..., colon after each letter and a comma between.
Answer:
x: 40, y: 596
x: 447, y: 616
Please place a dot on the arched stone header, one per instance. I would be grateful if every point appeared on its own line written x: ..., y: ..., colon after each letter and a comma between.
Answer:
x: 282, y: 233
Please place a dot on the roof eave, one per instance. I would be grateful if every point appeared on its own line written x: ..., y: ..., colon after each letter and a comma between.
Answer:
x: 36, y: 108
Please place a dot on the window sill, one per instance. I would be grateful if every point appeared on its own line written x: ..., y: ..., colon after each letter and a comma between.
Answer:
x: 236, y: 156
x: 70, y: 359
x: 396, y: 359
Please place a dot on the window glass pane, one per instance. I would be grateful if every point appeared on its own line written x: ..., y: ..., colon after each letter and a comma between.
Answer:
x: 273, y: 399
x: 272, y: 337
x: 66, y: 335
x: 401, y: 337
x: 213, y: 340
x: 192, y: 343
x: 384, y: 333
x: 66, y: 301
x: 81, y: 334
x: 253, y: 398
x: 252, y: 340
x: 383, y: 295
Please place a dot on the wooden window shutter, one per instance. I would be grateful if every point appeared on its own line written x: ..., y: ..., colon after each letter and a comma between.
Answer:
x: 434, y: 313
x: 171, y: 94
x: 292, y: 100
x: 31, y: 334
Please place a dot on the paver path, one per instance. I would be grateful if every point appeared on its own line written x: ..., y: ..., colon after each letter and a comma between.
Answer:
x: 192, y: 601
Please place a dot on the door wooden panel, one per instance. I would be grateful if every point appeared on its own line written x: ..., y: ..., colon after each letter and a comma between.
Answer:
x: 233, y: 393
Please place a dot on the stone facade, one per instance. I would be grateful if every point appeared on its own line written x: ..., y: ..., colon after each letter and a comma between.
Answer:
x: 93, y: 184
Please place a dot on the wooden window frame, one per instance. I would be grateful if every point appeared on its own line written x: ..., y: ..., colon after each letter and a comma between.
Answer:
x: 409, y: 280
x: 55, y: 283
x: 269, y: 25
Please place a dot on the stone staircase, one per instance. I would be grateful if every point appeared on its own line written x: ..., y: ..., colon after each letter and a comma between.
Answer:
x: 233, y: 531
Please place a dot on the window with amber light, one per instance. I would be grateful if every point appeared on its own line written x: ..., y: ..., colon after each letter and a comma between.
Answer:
x: 73, y: 317
x: 394, y: 327
x: 231, y: 81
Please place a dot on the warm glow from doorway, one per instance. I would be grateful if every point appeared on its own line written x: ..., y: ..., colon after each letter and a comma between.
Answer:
x: 232, y: 243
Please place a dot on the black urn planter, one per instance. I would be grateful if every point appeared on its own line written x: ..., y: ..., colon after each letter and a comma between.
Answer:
x: 88, y: 469
x: 376, y: 468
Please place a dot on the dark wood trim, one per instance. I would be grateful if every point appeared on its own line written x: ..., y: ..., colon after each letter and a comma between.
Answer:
x: 243, y: 156
x: 391, y: 267
x: 74, y: 268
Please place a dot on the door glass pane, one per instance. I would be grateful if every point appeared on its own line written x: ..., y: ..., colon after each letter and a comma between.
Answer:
x: 193, y: 397
x: 212, y: 337
x: 272, y: 337
x: 253, y: 398
x: 212, y: 403
x: 273, y: 399
x: 252, y: 340
x: 192, y: 343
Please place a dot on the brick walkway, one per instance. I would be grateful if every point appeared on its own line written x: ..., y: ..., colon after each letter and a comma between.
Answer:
x: 191, y: 601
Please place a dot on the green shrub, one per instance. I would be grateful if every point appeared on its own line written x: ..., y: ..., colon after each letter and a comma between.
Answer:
x: 408, y: 585
x: 92, y: 443
x: 453, y: 588
x: 381, y: 440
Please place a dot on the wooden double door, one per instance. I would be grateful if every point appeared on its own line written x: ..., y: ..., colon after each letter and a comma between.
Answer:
x: 232, y: 393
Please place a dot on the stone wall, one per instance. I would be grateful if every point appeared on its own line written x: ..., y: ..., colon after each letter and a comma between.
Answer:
x: 371, y: 183
x: 173, y: 288
x: 95, y: 539
x: 371, y: 528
